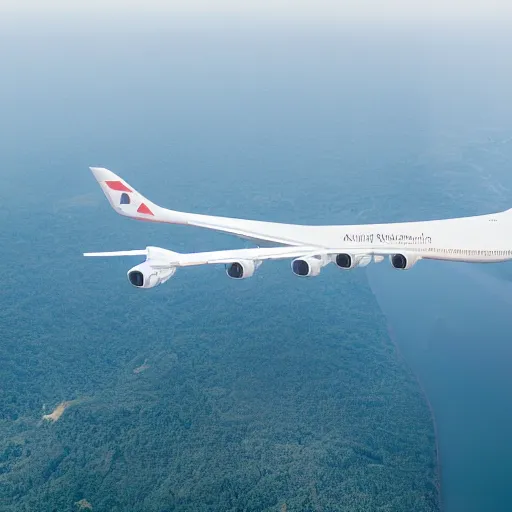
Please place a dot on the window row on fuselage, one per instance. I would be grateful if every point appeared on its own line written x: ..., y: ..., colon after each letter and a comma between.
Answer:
x: 469, y: 252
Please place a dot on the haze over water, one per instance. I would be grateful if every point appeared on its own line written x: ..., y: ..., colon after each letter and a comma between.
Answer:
x: 307, y: 125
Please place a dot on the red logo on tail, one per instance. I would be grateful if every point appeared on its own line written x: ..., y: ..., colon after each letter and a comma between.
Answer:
x: 144, y: 209
x: 118, y: 185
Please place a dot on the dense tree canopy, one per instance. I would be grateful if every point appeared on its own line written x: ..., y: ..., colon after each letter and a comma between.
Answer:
x: 208, y: 394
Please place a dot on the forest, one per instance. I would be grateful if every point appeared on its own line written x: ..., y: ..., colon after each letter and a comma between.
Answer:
x: 206, y: 394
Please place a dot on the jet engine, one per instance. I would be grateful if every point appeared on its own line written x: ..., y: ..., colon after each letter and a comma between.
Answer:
x: 308, y: 267
x: 402, y: 261
x: 242, y: 269
x: 145, y: 276
x: 349, y: 261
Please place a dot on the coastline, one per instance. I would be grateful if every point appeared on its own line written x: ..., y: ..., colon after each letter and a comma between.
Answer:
x: 453, y: 328
x: 400, y: 355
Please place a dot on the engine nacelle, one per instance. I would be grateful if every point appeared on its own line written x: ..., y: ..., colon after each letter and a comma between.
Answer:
x: 403, y: 261
x: 348, y: 261
x: 308, y: 267
x: 145, y: 276
x: 242, y: 269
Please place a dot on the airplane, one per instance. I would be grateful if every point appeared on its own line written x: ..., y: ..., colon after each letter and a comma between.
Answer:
x: 476, y: 239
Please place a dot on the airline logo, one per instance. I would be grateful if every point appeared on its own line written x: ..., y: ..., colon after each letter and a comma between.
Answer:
x: 144, y: 209
x: 119, y: 186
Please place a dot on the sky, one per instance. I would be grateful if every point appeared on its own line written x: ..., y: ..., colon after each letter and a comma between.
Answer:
x: 395, y: 10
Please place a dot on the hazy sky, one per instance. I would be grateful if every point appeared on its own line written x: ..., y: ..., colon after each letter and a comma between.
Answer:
x: 287, y: 9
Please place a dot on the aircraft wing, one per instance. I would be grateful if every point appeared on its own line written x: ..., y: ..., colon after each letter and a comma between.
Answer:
x: 165, y: 258
x: 161, y: 264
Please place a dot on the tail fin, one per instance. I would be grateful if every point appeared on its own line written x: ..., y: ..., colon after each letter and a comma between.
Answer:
x: 126, y: 201
x: 123, y: 198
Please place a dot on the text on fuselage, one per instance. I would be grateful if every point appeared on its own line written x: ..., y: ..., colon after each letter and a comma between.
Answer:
x: 387, y: 238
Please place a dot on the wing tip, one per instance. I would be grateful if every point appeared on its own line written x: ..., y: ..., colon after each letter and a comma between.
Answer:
x: 136, y: 252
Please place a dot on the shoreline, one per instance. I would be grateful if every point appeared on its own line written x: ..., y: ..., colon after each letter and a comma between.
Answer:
x: 399, y: 354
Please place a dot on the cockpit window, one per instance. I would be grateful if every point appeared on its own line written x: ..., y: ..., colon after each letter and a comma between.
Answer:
x: 125, y: 198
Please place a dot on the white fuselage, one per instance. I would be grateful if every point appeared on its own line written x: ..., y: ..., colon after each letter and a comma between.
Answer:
x: 484, y: 238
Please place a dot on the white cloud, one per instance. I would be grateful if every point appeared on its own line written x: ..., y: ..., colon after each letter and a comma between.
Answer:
x: 285, y: 9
